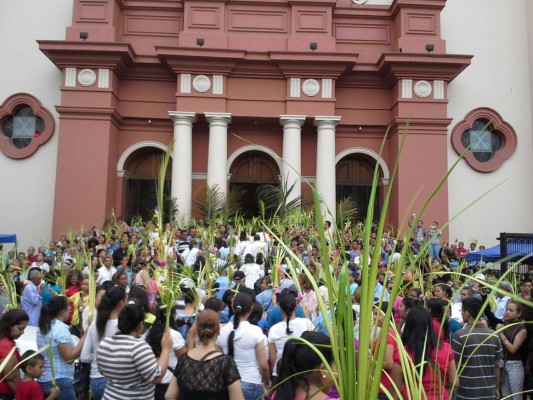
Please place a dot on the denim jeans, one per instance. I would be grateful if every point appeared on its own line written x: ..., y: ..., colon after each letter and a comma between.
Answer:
x: 97, y: 388
x: 434, y: 250
x: 64, y: 385
x: 252, y: 391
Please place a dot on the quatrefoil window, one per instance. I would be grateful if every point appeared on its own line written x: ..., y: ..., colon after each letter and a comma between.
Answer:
x: 484, y: 139
x: 24, y: 126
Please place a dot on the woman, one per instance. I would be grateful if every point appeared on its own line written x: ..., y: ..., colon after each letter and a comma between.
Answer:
x: 290, y: 326
x: 404, y: 309
x: 153, y: 338
x: 302, y: 373
x: 204, y: 372
x: 246, y: 343
x: 434, y: 359
x: 54, y: 332
x: 105, y: 326
x: 102, y: 244
x: 512, y: 336
x: 127, y: 362
x: 439, y: 311
x: 121, y: 279
x: 12, y: 326
x: 443, y: 291
x: 74, y: 279
x: 185, y: 318
x: 309, y: 299
x: 77, y: 303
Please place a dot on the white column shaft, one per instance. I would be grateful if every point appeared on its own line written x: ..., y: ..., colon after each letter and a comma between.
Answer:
x: 218, y: 150
x: 325, y: 164
x: 292, y: 153
x: 182, y: 162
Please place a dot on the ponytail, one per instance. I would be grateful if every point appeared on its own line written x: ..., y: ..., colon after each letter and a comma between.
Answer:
x: 287, y: 303
x: 242, y: 304
x: 288, y: 329
x: 50, y: 311
x: 108, y: 302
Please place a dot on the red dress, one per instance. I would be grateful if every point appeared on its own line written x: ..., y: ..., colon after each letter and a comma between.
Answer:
x: 6, y: 345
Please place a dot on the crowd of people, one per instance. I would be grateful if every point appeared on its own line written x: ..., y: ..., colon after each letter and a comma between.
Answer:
x: 239, y: 338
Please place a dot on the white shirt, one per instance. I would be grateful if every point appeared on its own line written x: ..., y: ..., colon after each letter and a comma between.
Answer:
x: 278, y: 334
x: 190, y: 256
x: 177, y: 343
x: 252, y: 272
x: 43, y: 267
x: 501, y: 304
x: 105, y: 274
x: 247, y: 337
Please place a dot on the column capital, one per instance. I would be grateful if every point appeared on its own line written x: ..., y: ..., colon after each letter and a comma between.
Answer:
x: 218, y: 117
x: 182, y: 117
x: 292, y: 119
x: 321, y: 120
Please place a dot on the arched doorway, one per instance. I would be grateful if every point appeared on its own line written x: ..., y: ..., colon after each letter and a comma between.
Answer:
x: 142, y: 167
x: 354, y: 174
x: 249, y: 171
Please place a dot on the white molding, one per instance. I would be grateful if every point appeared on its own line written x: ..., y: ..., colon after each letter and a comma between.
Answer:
x: 103, y: 78
x: 201, y: 83
x: 438, y: 91
x: 185, y: 83
x: 86, y: 77
x: 70, y: 77
x: 294, y: 87
x: 422, y: 89
x: 407, y: 88
x: 368, y: 152
x: 199, y: 176
x: 327, y: 86
x: 132, y: 148
x: 123, y: 174
x: 218, y: 84
x: 311, y: 87
x: 245, y: 149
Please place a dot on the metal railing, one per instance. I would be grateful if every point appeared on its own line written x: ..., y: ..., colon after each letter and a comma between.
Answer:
x: 516, y: 249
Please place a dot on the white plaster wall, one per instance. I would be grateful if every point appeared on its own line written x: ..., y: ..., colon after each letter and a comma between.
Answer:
x: 27, y: 186
x: 496, y: 33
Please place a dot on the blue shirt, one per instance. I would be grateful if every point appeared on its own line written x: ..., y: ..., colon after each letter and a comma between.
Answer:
x: 47, y: 295
x: 32, y: 303
x: 275, y: 316
x: 59, y: 334
x: 265, y: 299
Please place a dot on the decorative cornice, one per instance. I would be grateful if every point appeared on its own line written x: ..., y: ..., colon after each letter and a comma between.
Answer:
x: 115, y: 56
x: 200, y: 61
x: 90, y: 113
x: 395, y: 66
x: 397, y: 5
x: 313, y: 65
x: 422, y: 126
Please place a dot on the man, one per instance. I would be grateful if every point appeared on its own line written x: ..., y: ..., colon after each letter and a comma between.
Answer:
x: 477, y: 353
x: 32, y: 300
x: 32, y: 257
x: 502, y: 298
x: 419, y: 233
x: 106, y: 272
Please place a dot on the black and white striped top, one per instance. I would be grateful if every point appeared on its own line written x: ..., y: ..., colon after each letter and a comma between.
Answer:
x: 129, y: 365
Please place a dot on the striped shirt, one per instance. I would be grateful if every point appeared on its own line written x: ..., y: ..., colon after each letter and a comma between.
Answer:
x: 477, y: 351
x: 129, y: 366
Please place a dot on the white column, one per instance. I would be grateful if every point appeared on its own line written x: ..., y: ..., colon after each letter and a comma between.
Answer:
x: 292, y: 153
x: 182, y: 162
x: 325, y: 164
x: 217, y: 156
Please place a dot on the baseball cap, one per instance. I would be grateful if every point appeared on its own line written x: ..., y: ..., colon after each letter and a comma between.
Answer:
x: 238, y: 276
x: 480, y: 277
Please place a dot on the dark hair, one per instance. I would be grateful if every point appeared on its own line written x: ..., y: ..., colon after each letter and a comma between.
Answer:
x: 437, y: 308
x: 214, y: 303
x: 256, y: 314
x: 259, y: 258
x: 117, y: 276
x: 411, y: 303
x: 73, y: 272
x: 298, y: 359
x: 109, y: 301
x: 419, y: 337
x: 138, y: 295
x: 447, y: 289
x: 129, y: 318
x: 157, y: 330
x: 249, y: 259
x: 207, y: 325
x: 287, y: 303
x: 519, y: 307
x: 51, y: 310
x: 10, y: 319
x: 30, y: 358
x: 242, y: 304
x: 472, y: 306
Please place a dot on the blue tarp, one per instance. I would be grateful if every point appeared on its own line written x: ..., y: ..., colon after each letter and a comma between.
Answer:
x: 8, y: 238
x: 493, y: 254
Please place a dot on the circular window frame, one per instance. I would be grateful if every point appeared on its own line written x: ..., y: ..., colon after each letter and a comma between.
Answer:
x: 509, y: 139
x: 8, y: 108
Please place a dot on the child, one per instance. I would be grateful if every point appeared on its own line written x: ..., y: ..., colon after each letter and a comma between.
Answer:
x: 33, y: 368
